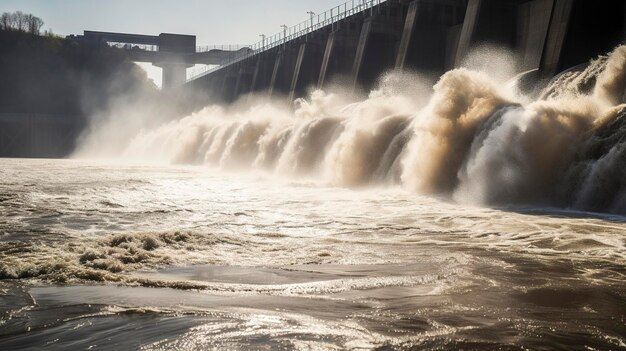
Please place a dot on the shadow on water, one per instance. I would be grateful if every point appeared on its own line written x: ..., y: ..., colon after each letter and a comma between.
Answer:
x: 555, y: 212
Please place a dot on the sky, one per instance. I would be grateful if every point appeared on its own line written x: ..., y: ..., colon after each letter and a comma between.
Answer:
x: 214, y: 22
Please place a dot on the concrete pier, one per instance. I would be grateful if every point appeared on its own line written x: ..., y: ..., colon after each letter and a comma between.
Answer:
x: 520, y: 26
x: 378, y: 45
x: 339, y: 54
x: 244, y: 80
x: 276, y: 71
x: 580, y: 30
x: 176, y: 56
x: 308, y: 64
x: 431, y: 36
x: 263, y: 71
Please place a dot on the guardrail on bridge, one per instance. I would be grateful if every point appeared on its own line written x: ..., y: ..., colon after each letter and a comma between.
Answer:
x: 316, y: 22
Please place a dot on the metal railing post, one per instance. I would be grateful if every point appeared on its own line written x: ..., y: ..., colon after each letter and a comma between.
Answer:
x: 330, y: 17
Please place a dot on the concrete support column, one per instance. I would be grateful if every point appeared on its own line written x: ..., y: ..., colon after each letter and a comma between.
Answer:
x: 174, y: 75
x: 407, y: 34
x: 520, y: 26
x: 243, y: 83
x: 263, y: 71
x: 175, y: 56
x: 229, y: 83
x: 574, y: 35
x: 257, y: 73
x: 275, y: 72
x: 307, y: 68
x: 376, y: 49
x: 296, y: 72
x: 467, y: 32
x: 360, y: 51
x: 533, y: 24
x: 430, y: 35
x: 330, y: 43
x: 556, y: 37
x: 339, y: 52
x: 284, y: 68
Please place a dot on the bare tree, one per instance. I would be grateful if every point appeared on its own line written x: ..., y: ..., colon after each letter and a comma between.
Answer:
x: 12, y: 21
x: 20, y: 21
x: 34, y: 24
x: 5, y: 21
x: 28, y: 18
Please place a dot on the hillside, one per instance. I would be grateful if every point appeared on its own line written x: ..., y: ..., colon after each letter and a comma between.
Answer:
x: 52, y: 75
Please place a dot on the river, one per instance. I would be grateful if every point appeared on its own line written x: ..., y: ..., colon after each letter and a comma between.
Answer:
x: 109, y: 255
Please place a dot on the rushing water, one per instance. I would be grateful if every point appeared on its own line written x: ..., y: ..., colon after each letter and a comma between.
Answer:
x: 122, y: 257
x: 461, y: 218
x: 471, y: 139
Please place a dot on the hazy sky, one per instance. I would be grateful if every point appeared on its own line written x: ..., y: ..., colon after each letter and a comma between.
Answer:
x: 214, y: 22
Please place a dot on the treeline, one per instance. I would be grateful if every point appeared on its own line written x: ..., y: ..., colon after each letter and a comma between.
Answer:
x: 21, y: 22
x: 51, y: 75
x: 83, y: 84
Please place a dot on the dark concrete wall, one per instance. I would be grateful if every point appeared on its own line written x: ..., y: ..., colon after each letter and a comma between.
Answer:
x: 520, y: 26
x: 580, y: 30
x: 244, y: 80
x: 339, y: 52
x: 429, y: 36
x: 38, y: 135
x: 308, y: 64
x: 378, y: 45
x: 283, y: 70
x: 533, y: 23
x: 263, y: 70
x: 229, y: 83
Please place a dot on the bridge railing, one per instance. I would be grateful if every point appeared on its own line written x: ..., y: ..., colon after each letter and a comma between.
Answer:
x: 317, y: 21
x: 127, y: 46
x: 223, y: 47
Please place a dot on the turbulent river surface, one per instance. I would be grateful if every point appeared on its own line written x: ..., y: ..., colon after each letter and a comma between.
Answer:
x: 470, y: 215
x: 104, y: 255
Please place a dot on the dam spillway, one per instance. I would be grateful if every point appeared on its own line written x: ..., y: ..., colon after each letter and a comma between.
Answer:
x: 357, y: 42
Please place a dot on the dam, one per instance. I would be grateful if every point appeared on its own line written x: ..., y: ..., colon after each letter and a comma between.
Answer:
x: 386, y: 175
x: 356, y: 42
x: 351, y: 46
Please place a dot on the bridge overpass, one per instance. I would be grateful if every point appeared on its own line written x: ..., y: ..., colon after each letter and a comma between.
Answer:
x: 359, y: 40
x: 174, y: 53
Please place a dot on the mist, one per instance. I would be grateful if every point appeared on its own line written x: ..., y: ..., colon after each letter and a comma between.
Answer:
x: 472, y: 137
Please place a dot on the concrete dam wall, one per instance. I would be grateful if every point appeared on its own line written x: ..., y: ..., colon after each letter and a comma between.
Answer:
x: 429, y: 36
